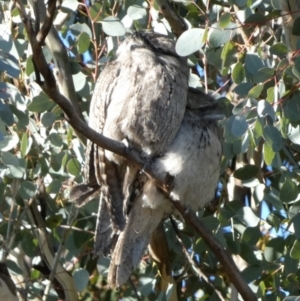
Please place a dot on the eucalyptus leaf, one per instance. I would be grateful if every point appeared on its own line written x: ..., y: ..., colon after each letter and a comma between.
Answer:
x: 9, y: 64
x: 253, y: 63
x: 73, y: 167
x: 136, y: 12
x: 264, y: 109
x: 289, y: 191
x: 273, y: 137
x: 190, y: 41
x: 246, y: 172
x: 83, y: 42
x: 279, y: 49
x: 27, y: 190
x: 113, y: 27
x: 81, y: 279
x: 40, y: 103
x: 237, y: 125
x: 238, y: 73
x: 54, y: 186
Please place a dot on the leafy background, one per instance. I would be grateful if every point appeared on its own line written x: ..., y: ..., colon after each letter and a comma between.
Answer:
x: 243, y: 52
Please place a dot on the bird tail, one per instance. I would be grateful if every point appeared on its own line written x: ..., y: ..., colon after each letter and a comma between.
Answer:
x: 132, y: 242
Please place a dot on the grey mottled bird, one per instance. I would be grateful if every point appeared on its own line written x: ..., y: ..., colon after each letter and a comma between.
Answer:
x: 140, y: 99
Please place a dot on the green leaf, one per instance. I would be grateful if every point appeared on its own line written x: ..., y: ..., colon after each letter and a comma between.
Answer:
x: 296, y: 27
x: 96, y: 12
x: 29, y: 245
x: 263, y: 75
x: 54, y: 186
x: 44, y: 166
x: 258, y: 128
x: 292, y: 108
x: 136, y: 12
x: 252, y: 273
x: 247, y: 216
x: 83, y: 43
x: 273, y: 199
x: 78, y: 28
x: 9, y: 159
x: 80, y: 82
x: 295, y: 250
x: 6, y: 114
x: 289, y: 191
x: 225, y: 20
x: 113, y: 27
x: 237, y: 125
x: 9, y: 64
x: 271, y: 94
x: 190, y: 41
x: 273, y: 137
x: 219, y: 36
x: 264, y: 109
x: 251, y: 235
x: 9, y: 142
x: 253, y: 63
x: 255, y: 91
x: 102, y: 265
x: 211, y: 222
x: 73, y: 167
x: 238, y: 73
x: 40, y: 103
x: 24, y: 145
x: 246, y: 172
x: 243, y: 89
x: 23, y: 118
x: 27, y: 190
x: 274, y: 249
x: 255, y: 19
x: 48, y: 119
x: 29, y: 66
x: 229, y: 211
x: 294, y: 134
x: 69, y: 5
x: 55, y: 139
x: 279, y: 49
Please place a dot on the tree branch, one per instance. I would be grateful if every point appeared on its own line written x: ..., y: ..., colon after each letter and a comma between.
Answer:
x: 119, y: 148
x: 176, y: 22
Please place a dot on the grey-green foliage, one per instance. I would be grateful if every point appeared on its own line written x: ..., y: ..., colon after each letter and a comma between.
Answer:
x: 243, y: 43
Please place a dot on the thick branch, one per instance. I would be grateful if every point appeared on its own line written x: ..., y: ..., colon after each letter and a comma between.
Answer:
x: 176, y: 22
x: 117, y: 147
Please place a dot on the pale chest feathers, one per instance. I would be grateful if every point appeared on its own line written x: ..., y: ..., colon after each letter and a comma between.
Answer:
x: 192, y: 160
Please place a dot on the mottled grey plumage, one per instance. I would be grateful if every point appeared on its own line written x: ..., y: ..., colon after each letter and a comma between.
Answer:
x: 193, y: 160
x: 140, y: 99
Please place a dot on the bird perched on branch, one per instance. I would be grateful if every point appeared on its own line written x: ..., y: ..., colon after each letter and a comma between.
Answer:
x: 141, y: 99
